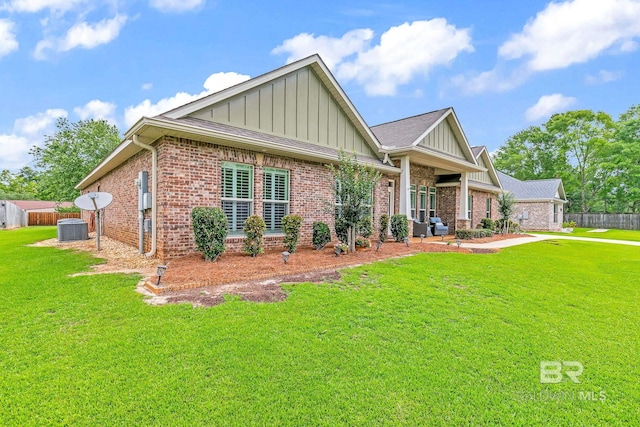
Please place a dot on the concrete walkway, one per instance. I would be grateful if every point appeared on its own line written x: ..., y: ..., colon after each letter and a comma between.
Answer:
x: 538, y: 238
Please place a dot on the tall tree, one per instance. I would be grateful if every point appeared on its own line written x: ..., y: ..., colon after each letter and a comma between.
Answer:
x: 623, y: 163
x: 353, y: 184
x: 70, y: 154
x: 18, y: 186
x: 583, y: 135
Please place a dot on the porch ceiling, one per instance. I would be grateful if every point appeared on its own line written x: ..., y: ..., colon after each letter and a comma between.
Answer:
x: 443, y: 163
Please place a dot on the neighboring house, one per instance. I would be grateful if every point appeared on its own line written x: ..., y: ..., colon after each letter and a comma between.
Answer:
x: 15, y: 213
x: 262, y: 146
x: 539, y: 203
x: 11, y: 216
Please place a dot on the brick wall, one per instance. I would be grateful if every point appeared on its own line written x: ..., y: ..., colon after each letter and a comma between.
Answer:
x: 189, y: 174
x: 540, y: 216
x: 120, y: 218
x: 447, y: 202
x: 479, y: 207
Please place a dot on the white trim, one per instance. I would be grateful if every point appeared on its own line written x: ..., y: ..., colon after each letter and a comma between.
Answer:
x: 491, y: 170
x: 470, y: 167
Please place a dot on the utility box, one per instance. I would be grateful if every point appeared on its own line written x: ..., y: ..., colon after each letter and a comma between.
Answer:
x: 72, y: 229
x: 146, y: 201
x: 147, y: 225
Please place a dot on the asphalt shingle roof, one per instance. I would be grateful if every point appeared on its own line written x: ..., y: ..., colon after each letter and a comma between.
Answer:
x: 404, y: 132
x: 477, y: 150
x: 533, y: 189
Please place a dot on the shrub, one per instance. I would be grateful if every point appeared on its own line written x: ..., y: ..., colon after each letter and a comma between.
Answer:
x: 321, y: 235
x: 70, y: 209
x: 210, y: 230
x: 341, y: 229
x: 254, y: 228
x: 362, y: 242
x: 384, y: 226
x: 399, y: 227
x: 513, y: 226
x: 473, y: 234
x: 487, y: 224
x: 365, y: 227
x: 291, y: 227
x: 343, y: 247
x: 571, y: 224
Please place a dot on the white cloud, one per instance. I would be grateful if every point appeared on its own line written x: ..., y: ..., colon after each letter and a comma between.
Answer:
x: 167, y: 6
x: 603, y: 76
x: 96, y: 109
x: 548, y: 105
x: 404, y: 52
x: 8, y: 42
x: 147, y: 86
x: 214, y: 83
x: 15, y: 151
x: 84, y: 35
x: 574, y: 32
x: 496, y: 80
x: 33, y: 6
x: 39, y: 123
x: 27, y: 132
x: 332, y: 50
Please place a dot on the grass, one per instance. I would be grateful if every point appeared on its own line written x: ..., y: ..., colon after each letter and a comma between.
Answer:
x: 632, y: 235
x: 434, y: 339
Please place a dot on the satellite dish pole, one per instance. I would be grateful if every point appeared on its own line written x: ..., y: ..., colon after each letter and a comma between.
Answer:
x: 93, y: 196
x: 94, y: 202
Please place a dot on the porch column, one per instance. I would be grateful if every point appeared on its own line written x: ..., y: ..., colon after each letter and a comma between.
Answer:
x: 405, y: 187
x: 464, y: 193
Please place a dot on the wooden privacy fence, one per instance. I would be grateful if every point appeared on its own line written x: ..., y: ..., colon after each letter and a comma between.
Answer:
x: 628, y: 221
x: 49, y: 218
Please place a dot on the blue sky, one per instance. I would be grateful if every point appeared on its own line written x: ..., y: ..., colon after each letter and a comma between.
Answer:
x: 502, y: 65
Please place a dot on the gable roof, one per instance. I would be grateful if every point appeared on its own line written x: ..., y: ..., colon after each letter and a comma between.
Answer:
x: 404, y: 136
x: 317, y: 65
x: 28, y: 205
x: 177, y: 123
x: 533, y: 190
x: 482, y: 152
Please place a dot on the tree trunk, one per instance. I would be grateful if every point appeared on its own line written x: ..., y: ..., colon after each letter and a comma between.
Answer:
x: 351, y: 238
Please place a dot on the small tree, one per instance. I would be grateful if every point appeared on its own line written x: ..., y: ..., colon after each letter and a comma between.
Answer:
x: 210, y: 230
x: 321, y: 235
x: 384, y: 226
x: 254, y: 228
x: 399, y: 227
x: 291, y: 227
x: 505, y: 208
x: 354, y: 185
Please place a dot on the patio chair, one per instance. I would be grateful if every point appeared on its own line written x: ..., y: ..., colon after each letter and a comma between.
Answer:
x: 421, y: 228
x: 439, y: 228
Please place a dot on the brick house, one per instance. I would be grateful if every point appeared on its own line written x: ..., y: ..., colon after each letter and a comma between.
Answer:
x: 262, y: 146
x: 539, y: 203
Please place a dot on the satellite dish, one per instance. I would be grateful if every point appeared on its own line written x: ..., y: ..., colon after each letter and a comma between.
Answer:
x: 93, y: 201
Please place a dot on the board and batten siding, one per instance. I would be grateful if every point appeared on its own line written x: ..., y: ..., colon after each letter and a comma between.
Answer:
x: 483, y: 177
x: 297, y: 106
x: 443, y: 139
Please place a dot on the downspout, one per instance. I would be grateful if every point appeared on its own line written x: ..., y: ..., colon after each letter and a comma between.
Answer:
x: 154, y: 193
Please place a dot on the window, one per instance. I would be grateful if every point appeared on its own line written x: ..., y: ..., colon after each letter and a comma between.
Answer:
x: 237, y: 194
x: 488, y: 213
x: 469, y: 206
x: 275, y: 198
x: 423, y: 204
x: 432, y: 202
x: 555, y: 212
x: 413, y: 201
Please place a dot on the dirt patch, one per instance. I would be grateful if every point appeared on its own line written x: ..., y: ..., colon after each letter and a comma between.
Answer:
x: 119, y: 257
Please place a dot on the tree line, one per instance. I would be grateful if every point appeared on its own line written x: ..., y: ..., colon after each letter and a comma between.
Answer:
x: 66, y: 157
x: 597, y: 158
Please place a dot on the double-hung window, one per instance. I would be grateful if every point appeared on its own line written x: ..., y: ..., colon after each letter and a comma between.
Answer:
x: 432, y: 202
x: 423, y: 204
x: 275, y: 199
x: 413, y: 201
x: 237, y: 194
x: 555, y: 212
x: 469, y: 206
x: 488, y: 213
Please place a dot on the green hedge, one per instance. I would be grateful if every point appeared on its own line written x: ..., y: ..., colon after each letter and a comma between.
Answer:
x: 473, y: 234
x: 321, y: 235
x: 384, y: 226
x: 254, y: 228
x: 291, y: 227
x: 399, y: 227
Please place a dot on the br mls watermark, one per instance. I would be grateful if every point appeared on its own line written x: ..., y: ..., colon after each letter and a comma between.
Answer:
x: 555, y: 372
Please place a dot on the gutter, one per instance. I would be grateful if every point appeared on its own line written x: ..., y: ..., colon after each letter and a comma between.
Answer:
x: 154, y: 194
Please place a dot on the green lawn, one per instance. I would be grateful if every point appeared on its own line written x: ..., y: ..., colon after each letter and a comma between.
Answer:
x: 633, y: 235
x: 434, y: 339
